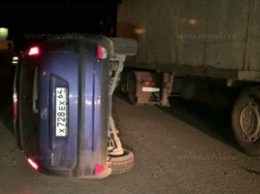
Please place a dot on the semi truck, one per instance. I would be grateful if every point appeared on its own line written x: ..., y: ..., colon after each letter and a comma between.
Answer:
x: 203, y: 50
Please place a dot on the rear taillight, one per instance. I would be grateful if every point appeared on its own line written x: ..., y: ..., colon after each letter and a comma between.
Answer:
x: 148, y: 83
x: 33, y: 164
x: 34, y: 51
x: 99, y: 169
x: 15, y: 106
x: 101, y: 52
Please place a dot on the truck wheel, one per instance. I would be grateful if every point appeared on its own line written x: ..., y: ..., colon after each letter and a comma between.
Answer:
x: 246, y: 121
x: 123, y: 163
x: 124, y: 46
x: 131, y: 89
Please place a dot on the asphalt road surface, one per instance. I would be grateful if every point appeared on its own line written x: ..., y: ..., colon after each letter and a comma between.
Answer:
x: 178, y: 150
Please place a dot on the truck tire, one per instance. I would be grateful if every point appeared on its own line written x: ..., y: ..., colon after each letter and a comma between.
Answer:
x: 123, y: 163
x: 246, y: 121
x: 124, y: 46
x: 131, y: 89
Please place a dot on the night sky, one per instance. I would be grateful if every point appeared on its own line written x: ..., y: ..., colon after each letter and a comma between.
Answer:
x: 57, y: 18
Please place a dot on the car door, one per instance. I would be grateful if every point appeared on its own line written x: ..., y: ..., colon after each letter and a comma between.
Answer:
x: 28, y: 115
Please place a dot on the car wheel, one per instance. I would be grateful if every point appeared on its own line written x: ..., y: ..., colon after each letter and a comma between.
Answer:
x: 123, y: 163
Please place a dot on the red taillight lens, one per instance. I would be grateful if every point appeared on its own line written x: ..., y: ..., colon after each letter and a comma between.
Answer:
x: 99, y: 169
x: 34, y: 51
x: 148, y: 83
x: 101, y: 53
x: 33, y: 164
x: 15, y: 106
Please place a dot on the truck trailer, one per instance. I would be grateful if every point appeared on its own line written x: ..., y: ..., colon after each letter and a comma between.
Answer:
x: 192, y: 49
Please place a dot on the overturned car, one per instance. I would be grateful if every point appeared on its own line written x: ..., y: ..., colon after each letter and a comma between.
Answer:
x: 62, y: 106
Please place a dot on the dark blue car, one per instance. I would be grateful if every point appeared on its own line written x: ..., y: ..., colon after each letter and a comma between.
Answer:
x: 62, y: 107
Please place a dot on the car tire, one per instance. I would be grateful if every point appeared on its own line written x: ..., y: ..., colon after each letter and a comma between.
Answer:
x: 123, y: 163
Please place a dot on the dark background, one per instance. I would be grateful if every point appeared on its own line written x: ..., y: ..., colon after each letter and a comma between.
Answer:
x: 23, y: 19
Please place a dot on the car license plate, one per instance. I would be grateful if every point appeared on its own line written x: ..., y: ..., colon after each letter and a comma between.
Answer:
x: 150, y: 89
x: 61, y: 112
